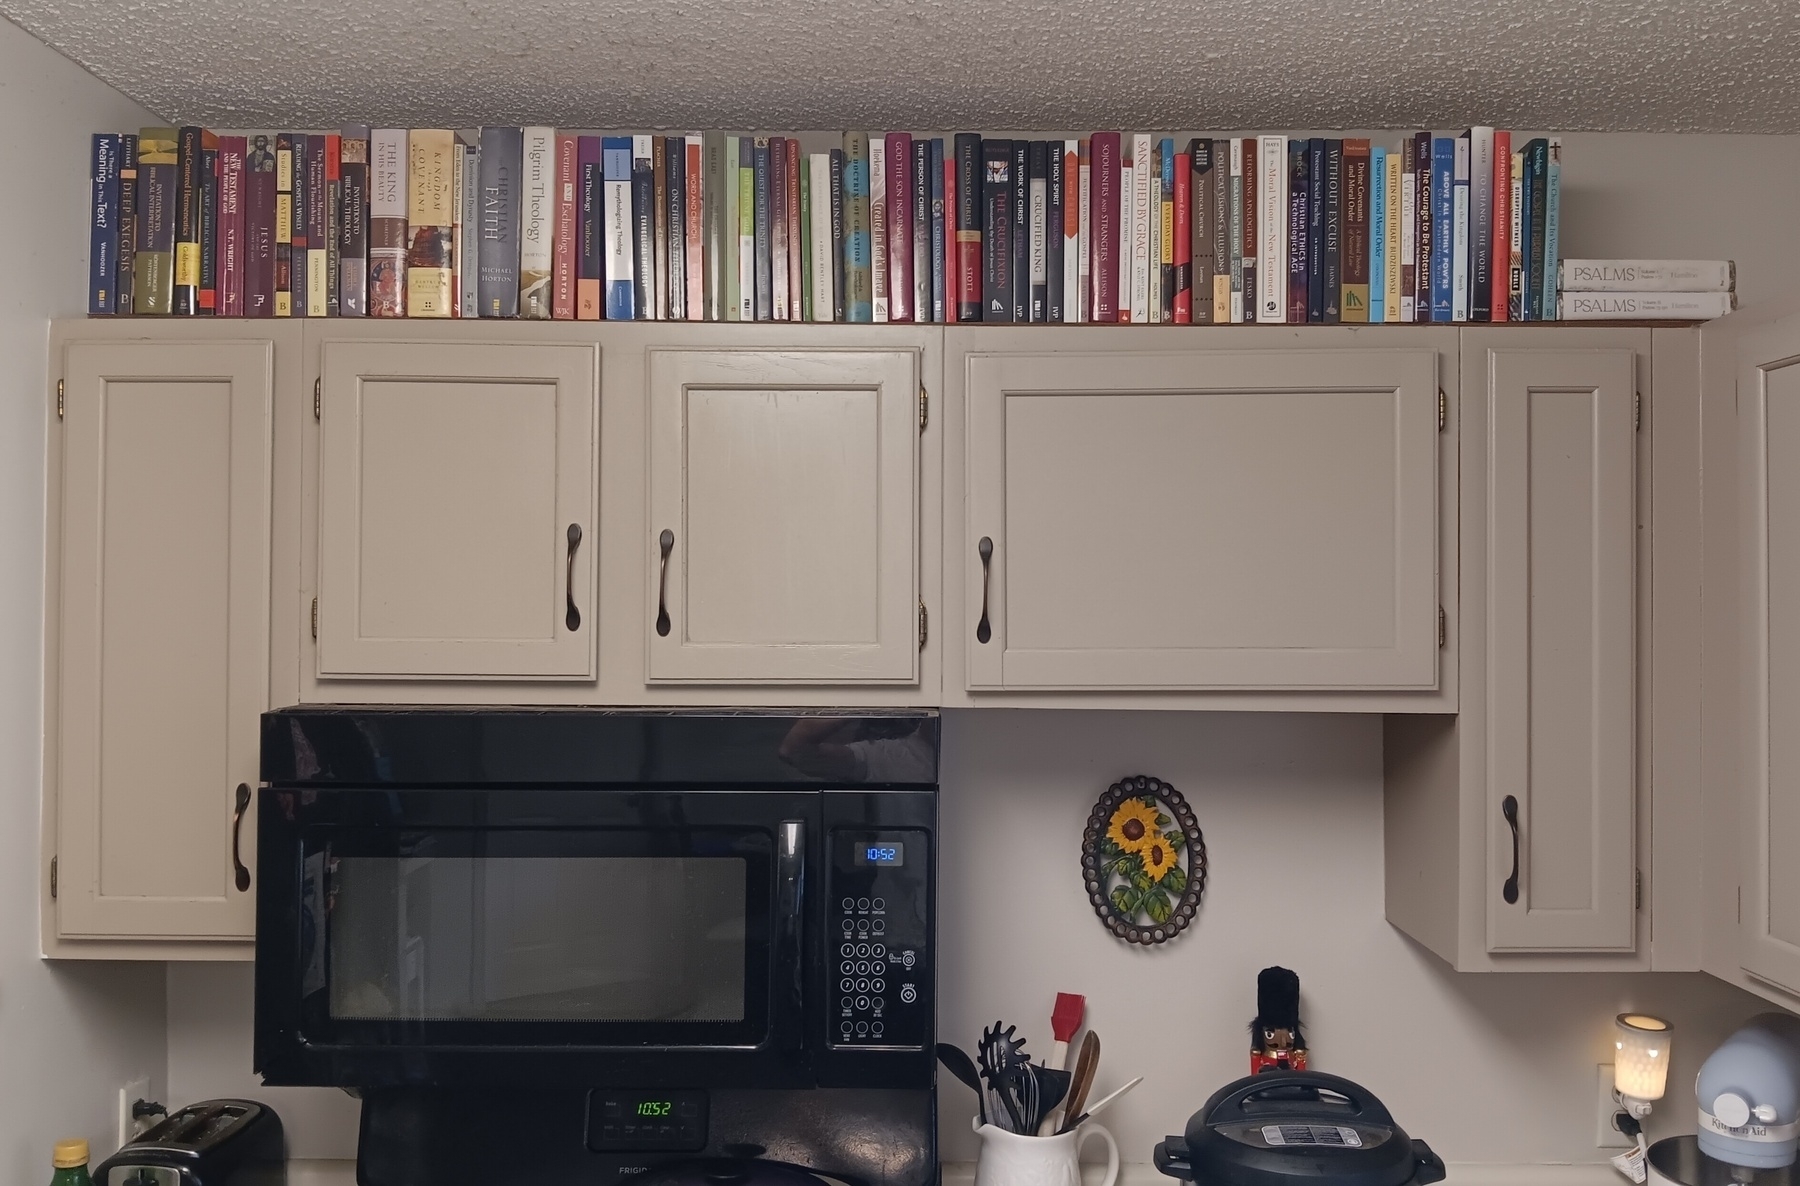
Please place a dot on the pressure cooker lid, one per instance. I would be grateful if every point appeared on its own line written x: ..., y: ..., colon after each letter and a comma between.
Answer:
x: 1279, y: 1129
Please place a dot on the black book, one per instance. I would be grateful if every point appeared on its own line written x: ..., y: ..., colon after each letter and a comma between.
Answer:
x: 996, y: 231
x: 1055, y: 195
x: 675, y: 152
x: 591, y: 234
x: 965, y: 251
x: 643, y: 237
x: 209, y: 229
x: 1021, y: 230
x: 921, y: 228
x: 1299, y: 233
x: 187, y: 221
x: 837, y: 235
x: 1037, y: 198
x: 1315, y: 230
x: 1331, y: 263
x: 765, y: 277
x: 1533, y: 179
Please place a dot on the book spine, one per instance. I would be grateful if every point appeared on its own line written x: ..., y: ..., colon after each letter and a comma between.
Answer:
x: 430, y: 165
x: 1331, y: 265
x: 334, y: 213
x: 881, y: 276
x: 1221, y: 230
x: 590, y: 221
x: 1443, y: 216
x: 1481, y: 223
x: 673, y: 209
x: 762, y: 153
x: 1143, y: 173
x: 1235, y: 236
x: 353, y: 229
x: 1515, y: 291
x: 1299, y: 232
x: 259, y: 225
x: 1068, y: 229
x: 1498, y: 230
x: 502, y: 162
x: 1020, y: 230
x: 919, y: 190
x: 795, y: 231
x: 1181, y: 198
x: 1252, y: 231
x: 1409, y: 232
x: 968, y: 226
x: 1355, y: 296
x: 746, y: 228
x: 1315, y: 230
x: 656, y: 280
x: 1106, y: 177
x: 1201, y: 260
x: 1272, y: 221
x: 123, y: 271
x: 778, y: 229
x: 731, y: 257
x: 318, y: 200
x: 896, y: 190
x: 1536, y: 159
x: 1646, y: 275
x: 1378, y: 234
x: 1165, y: 245
x: 818, y: 168
x: 1084, y: 231
x: 103, y: 226
x: 1037, y: 308
x: 805, y: 276
x: 996, y: 242
x: 231, y: 226
x: 186, y: 293
x: 644, y: 218
x: 1127, y: 215
x: 943, y: 192
x: 840, y: 282
x: 715, y: 248
x: 1390, y: 272
x: 697, y: 198
x: 290, y: 267
x: 1422, y: 204
x: 1647, y: 306
x: 1459, y: 232
x: 467, y: 251
x: 387, y: 223
x: 209, y: 224
x: 565, y: 245
x: 859, y: 302
x: 619, y: 260
x: 1552, y: 222
x: 153, y: 281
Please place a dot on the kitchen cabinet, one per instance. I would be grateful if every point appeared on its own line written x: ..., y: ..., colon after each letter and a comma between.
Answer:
x: 157, y: 645
x: 457, y: 510
x: 1512, y: 828
x: 1199, y: 519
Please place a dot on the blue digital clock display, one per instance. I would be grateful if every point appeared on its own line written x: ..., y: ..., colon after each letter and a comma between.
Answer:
x: 885, y: 852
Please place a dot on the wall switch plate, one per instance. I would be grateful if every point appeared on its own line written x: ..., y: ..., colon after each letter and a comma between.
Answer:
x: 1605, y: 1107
x: 131, y: 1093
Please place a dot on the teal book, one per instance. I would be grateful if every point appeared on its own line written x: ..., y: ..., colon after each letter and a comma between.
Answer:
x: 858, y: 279
x: 1552, y: 220
x: 1378, y: 233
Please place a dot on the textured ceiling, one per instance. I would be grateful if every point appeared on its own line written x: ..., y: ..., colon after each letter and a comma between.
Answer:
x: 1604, y: 65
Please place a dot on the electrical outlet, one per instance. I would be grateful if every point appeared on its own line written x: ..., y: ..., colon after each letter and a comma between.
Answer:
x: 1605, y: 1107
x: 137, y: 1089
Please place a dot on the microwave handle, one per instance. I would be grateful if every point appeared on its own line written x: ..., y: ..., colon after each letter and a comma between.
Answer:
x: 790, y: 889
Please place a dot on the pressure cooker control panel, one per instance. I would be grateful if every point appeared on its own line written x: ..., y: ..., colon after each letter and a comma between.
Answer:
x: 876, y: 917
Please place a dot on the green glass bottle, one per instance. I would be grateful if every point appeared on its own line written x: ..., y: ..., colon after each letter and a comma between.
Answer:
x: 70, y: 1159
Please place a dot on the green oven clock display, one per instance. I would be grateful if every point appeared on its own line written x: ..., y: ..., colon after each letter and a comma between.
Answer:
x: 655, y: 1108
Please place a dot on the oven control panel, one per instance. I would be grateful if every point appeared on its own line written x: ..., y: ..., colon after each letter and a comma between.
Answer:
x: 629, y: 1121
x: 878, y: 939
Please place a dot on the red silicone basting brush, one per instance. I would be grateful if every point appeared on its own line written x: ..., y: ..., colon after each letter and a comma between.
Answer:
x: 1065, y: 1020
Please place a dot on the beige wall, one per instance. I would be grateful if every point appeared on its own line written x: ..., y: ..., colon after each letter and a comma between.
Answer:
x: 70, y: 1035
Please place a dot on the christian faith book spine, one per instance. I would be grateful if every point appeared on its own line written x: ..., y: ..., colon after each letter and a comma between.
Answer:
x: 1299, y: 275
x: 920, y: 246
x: 1647, y: 275
x: 1019, y: 230
x: 1391, y: 270
x: 1200, y: 227
x: 334, y: 213
x: 186, y: 294
x: 1499, y: 230
x: 1084, y: 231
x: 1552, y: 222
x: 285, y: 169
x: 1459, y: 231
x: 896, y: 190
x: 1378, y: 230
x: 795, y: 231
x: 695, y: 209
x: 715, y: 248
x: 1182, y: 246
x: 840, y: 283
x: 565, y: 243
x: 259, y: 224
x: 859, y: 299
x: 1165, y: 238
x: 1648, y: 306
x: 1107, y: 166
x: 1056, y: 204
x: 968, y: 226
x: 1331, y: 266
x: 675, y: 196
x: 1144, y: 170
x: 297, y: 245
x: 317, y: 224
x: 353, y: 233
x: 127, y: 251
x: 1272, y: 219
x: 430, y: 163
x: 231, y: 225
x: 618, y: 271
x: 819, y: 273
x: 1068, y: 302
x: 103, y: 228
x: 388, y: 241
x: 209, y: 224
x: 590, y: 259
x: 468, y: 240
x: 1443, y: 216
x: 537, y: 223
x: 643, y: 230
x: 1037, y: 307
x: 996, y: 241
x: 761, y: 157
x: 1409, y: 232
x: 728, y: 231
x: 1354, y: 297
x: 1481, y: 222
x: 153, y: 287
x: 746, y: 228
x: 880, y: 276
x: 943, y: 188
x: 1424, y: 169
x: 502, y: 160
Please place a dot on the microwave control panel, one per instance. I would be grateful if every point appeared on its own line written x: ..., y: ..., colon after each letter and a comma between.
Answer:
x: 877, y: 909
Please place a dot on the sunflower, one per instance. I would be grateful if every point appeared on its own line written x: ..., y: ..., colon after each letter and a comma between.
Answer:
x: 1158, y: 856
x: 1133, y: 825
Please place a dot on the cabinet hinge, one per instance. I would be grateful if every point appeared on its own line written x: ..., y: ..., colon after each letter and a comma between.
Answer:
x: 315, y: 619
x: 1637, y: 410
x: 924, y: 625
x: 1443, y: 628
x: 1637, y: 889
x: 59, y: 399
x: 315, y: 398
x: 924, y: 409
x: 52, y: 878
x: 1443, y: 409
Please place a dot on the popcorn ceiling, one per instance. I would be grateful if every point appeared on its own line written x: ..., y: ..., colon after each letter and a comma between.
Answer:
x: 1600, y: 65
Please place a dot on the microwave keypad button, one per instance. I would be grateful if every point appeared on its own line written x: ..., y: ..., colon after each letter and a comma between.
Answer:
x: 862, y: 1029
x: 878, y: 986
x: 908, y: 994
x: 862, y: 986
x: 880, y: 927
x: 848, y: 1004
x: 847, y: 1028
x: 862, y: 905
x: 907, y: 958
x: 878, y: 905
x: 848, y: 984
x: 849, y: 904
x: 862, y: 1003
x: 878, y: 950
x: 862, y: 950
x: 849, y: 950
x: 875, y: 1029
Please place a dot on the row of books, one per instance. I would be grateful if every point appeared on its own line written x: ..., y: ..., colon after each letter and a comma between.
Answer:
x: 542, y: 223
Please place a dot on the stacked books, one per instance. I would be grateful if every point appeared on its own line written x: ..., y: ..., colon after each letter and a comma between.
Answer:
x: 546, y: 223
x: 1647, y: 289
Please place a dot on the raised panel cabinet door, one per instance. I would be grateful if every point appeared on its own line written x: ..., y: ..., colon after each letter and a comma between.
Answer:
x: 1562, y: 681
x: 163, y: 654
x: 1768, y: 408
x: 1203, y: 520
x: 783, y: 538
x: 458, y: 511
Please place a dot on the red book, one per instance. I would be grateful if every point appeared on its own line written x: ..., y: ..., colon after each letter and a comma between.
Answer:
x: 562, y: 274
x: 796, y: 290
x: 1250, y: 245
x: 1184, y: 247
x: 1103, y: 185
x: 899, y: 226
x: 230, y: 265
x: 1502, y: 228
x: 951, y: 286
x: 694, y: 212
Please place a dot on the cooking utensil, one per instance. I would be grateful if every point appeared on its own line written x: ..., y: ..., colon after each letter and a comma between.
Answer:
x: 958, y: 1063
x: 1052, y: 1090
x: 1002, y: 1059
x: 1096, y: 1109
x: 1081, y: 1080
x: 1065, y: 1020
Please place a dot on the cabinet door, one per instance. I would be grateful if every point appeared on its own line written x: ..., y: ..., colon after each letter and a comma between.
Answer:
x: 1768, y: 409
x: 783, y: 533
x: 458, y: 510
x: 1561, y: 684
x: 163, y: 648
x: 1216, y: 520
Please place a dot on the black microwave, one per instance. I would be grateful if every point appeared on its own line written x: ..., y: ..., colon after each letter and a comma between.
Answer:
x: 525, y: 898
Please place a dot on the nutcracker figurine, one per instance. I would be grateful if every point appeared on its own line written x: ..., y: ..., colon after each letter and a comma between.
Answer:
x: 1276, y: 1043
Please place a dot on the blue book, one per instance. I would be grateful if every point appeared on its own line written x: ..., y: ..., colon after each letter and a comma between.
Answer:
x: 1552, y: 217
x: 616, y: 245
x: 1528, y: 284
x: 1443, y: 175
x: 940, y: 244
x: 497, y: 267
x: 103, y: 242
x: 1315, y: 230
x: 859, y: 306
x: 1378, y: 233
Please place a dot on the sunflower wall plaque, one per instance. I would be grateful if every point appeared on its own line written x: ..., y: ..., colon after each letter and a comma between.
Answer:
x: 1143, y: 860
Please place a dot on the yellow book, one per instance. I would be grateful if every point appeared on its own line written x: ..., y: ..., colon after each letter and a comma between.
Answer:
x: 1391, y: 264
x: 430, y: 220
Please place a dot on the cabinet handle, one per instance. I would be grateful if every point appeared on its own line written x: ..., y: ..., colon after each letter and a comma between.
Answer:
x: 239, y: 873
x: 667, y: 542
x: 1509, y: 807
x: 983, y: 631
x: 573, y: 618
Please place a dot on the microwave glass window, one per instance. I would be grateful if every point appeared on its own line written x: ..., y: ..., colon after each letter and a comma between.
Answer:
x: 526, y: 938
